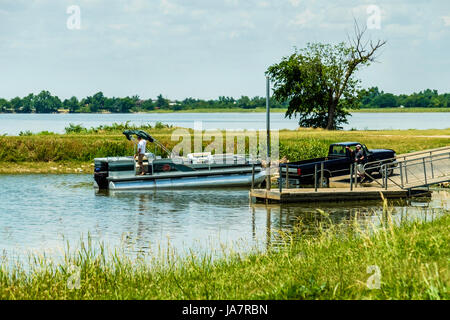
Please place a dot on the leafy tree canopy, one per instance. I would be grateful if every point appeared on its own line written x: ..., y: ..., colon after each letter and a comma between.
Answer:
x: 44, y: 102
x: 318, y: 81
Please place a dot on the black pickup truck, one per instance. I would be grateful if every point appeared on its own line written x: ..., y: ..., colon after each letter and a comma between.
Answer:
x: 337, y: 163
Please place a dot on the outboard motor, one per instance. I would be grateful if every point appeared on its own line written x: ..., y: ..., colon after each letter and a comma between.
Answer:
x: 114, y: 167
x: 101, y: 173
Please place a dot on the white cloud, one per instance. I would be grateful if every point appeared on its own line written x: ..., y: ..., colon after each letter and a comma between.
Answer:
x: 303, y: 18
x: 233, y: 34
x: 170, y: 8
x: 180, y: 30
x: 446, y: 21
x: 263, y: 4
x: 295, y: 3
x: 136, y: 5
x: 118, y: 26
x: 414, y: 31
x: 198, y: 12
x: 232, y: 2
x: 127, y: 43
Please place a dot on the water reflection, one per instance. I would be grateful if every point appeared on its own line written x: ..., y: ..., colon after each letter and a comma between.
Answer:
x: 65, y: 208
x: 205, y: 212
x: 188, y: 219
x: 284, y: 219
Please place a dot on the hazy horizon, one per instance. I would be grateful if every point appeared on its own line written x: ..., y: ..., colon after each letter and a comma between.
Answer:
x: 206, y: 49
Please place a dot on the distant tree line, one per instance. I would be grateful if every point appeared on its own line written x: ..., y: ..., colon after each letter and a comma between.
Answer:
x: 45, y: 102
x: 374, y: 98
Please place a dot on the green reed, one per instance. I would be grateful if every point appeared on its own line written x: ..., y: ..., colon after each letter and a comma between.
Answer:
x: 332, y: 262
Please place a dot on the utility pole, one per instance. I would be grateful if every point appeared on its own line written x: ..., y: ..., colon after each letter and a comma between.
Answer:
x: 268, y: 130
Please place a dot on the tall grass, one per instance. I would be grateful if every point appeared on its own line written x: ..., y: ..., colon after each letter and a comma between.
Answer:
x: 60, y: 148
x: 115, y: 127
x: 331, y: 263
x: 83, y: 145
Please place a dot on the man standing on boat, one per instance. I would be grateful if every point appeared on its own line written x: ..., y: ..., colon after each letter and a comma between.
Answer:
x: 140, y: 154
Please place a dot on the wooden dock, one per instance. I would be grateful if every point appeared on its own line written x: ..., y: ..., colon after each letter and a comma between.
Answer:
x: 411, y: 176
x: 332, y: 194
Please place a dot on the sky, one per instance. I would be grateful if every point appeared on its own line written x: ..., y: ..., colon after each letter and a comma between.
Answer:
x: 208, y: 48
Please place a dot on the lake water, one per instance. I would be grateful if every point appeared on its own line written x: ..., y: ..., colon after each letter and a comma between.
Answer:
x: 41, y: 212
x: 12, y: 124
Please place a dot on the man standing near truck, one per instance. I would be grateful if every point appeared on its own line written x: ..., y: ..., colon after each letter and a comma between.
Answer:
x: 360, y: 159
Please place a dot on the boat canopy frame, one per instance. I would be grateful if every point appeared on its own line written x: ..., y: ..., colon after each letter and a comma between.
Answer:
x: 144, y: 135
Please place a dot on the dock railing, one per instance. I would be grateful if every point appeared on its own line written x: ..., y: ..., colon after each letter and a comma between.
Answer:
x: 419, y: 169
x: 418, y: 172
x: 320, y: 176
x: 411, y: 170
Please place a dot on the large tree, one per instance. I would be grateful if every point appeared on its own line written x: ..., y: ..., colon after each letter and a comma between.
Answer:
x: 318, y: 81
x: 72, y: 104
x: 124, y: 105
x: 4, y: 105
x: 28, y: 103
x: 161, y: 102
x: 16, y: 104
x: 97, y: 102
x: 44, y: 102
x: 147, y: 105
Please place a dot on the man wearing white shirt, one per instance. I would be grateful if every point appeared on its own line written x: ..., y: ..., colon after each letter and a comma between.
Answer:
x: 140, y: 154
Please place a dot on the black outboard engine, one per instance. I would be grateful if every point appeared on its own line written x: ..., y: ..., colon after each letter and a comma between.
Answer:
x: 101, y: 173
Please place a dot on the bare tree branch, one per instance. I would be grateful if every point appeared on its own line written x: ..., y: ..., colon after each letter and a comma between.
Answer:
x: 361, y: 53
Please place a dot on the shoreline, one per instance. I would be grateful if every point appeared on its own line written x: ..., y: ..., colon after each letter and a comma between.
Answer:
x: 259, y: 110
x: 74, y: 153
x: 63, y: 167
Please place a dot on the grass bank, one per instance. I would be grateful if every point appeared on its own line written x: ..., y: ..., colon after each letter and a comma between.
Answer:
x: 218, y: 110
x: 59, y: 167
x: 399, y: 110
x: 410, y: 262
x: 74, y: 152
x: 283, y: 110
